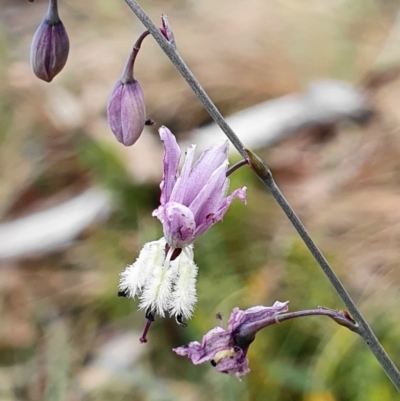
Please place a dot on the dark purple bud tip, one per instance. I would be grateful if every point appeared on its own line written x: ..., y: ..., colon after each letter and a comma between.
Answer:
x: 150, y: 122
x: 50, y: 46
x: 126, y: 112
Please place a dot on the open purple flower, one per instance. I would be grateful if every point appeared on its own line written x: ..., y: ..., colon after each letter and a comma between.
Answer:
x: 164, y: 275
x: 227, y: 349
x: 196, y: 199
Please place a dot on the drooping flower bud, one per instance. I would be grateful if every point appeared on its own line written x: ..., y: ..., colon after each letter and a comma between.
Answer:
x: 126, y: 108
x: 50, y: 45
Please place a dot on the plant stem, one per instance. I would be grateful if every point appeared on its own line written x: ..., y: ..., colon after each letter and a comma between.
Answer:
x: 265, y: 175
x: 338, y: 316
x: 236, y: 166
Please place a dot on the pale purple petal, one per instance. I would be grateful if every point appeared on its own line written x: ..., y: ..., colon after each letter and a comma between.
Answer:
x: 257, y: 313
x: 256, y: 318
x: 182, y: 184
x: 133, y: 113
x: 235, y: 319
x: 237, y: 364
x: 202, y: 170
x: 172, y: 154
x: 218, y: 215
x: 178, y: 224
x: 214, y: 341
x: 114, y: 111
x: 209, y: 197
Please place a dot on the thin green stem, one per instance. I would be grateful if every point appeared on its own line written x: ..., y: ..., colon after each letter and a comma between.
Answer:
x: 265, y: 175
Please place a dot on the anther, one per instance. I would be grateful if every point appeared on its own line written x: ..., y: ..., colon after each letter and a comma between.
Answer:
x: 179, y: 320
x: 123, y: 293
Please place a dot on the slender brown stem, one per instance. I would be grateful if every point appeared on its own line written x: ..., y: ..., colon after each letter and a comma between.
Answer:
x: 136, y: 47
x: 233, y: 168
x: 143, y: 338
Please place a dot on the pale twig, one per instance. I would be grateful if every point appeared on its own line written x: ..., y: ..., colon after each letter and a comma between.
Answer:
x: 262, y: 171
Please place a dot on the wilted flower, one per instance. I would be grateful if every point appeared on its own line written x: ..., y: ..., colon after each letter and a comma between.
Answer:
x: 126, y: 108
x: 164, y: 282
x: 227, y: 349
x: 196, y: 199
x: 50, y: 45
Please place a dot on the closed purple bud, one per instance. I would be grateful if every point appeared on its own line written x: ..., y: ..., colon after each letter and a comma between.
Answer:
x: 126, y: 108
x: 50, y: 45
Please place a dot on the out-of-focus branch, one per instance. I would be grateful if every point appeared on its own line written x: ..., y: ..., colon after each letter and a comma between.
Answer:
x: 54, y: 228
x: 326, y: 102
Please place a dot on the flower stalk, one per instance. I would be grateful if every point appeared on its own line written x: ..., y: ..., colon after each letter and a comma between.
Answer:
x: 364, y: 329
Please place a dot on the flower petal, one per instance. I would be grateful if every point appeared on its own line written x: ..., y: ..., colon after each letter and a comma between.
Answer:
x: 255, y: 319
x: 172, y: 154
x: 178, y: 224
x: 210, y: 196
x: 236, y: 364
x: 235, y: 319
x: 218, y: 215
x: 182, y: 184
x: 214, y: 341
x: 257, y: 313
x: 204, y: 167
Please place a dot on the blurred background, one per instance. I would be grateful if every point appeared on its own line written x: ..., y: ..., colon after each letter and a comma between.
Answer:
x: 76, y: 205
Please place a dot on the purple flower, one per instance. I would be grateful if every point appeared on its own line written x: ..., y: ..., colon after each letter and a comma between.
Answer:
x: 227, y: 349
x: 50, y: 46
x: 126, y: 107
x: 196, y: 199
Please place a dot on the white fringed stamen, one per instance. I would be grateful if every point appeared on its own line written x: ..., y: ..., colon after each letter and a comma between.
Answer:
x: 156, y: 295
x: 184, y: 296
x: 134, y: 277
x: 163, y: 286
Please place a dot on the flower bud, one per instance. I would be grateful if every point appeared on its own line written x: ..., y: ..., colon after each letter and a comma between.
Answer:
x: 166, y: 30
x: 50, y: 45
x: 126, y: 108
